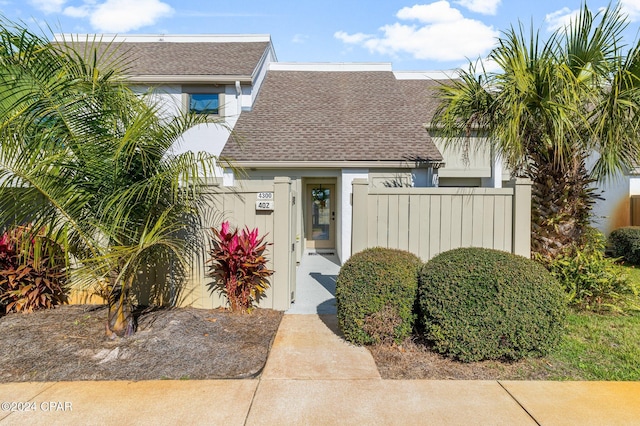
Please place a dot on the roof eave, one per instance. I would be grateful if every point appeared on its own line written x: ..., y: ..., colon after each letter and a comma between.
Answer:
x: 190, y: 79
x: 367, y: 164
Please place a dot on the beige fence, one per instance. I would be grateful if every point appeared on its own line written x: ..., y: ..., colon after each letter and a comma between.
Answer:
x: 428, y: 221
x: 238, y: 206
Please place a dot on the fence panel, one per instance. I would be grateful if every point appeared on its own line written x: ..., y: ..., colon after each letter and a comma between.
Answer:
x: 238, y: 206
x: 428, y: 221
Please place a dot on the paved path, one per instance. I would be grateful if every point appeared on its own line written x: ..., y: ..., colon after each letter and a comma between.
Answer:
x: 316, y: 284
x: 313, y: 377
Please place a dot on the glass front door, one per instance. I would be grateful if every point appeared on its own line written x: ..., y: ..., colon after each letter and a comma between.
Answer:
x: 321, y: 216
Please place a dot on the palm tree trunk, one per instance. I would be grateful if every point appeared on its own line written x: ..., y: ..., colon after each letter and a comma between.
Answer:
x: 120, y: 320
x: 562, y: 199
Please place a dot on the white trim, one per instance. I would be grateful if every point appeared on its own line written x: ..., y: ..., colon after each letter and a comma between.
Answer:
x: 333, y: 164
x: 346, y: 213
x: 426, y: 75
x: 172, y: 38
x: 228, y: 178
x: 189, y: 79
x: 330, y: 66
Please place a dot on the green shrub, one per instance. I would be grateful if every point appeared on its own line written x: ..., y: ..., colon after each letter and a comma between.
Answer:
x: 591, y: 280
x: 625, y: 243
x: 376, y: 294
x: 477, y: 304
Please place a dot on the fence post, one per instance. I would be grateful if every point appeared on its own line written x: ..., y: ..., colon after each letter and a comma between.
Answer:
x: 281, y: 250
x: 360, y: 219
x: 521, y: 242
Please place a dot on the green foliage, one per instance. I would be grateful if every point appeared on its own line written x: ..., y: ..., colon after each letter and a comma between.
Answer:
x: 239, y: 267
x: 375, y: 295
x: 592, y: 281
x: 32, y: 271
x: 598, y: 347
x: 478, y: 304
x: 625, y: 243
x: 553, y: 102
x: 93, y: 162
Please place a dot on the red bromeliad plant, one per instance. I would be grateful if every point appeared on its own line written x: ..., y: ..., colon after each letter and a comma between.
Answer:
x: 32, y: 271
x: 239, y: 266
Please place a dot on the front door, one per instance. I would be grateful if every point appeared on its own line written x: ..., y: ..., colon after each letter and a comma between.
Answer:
x: 321, y: 216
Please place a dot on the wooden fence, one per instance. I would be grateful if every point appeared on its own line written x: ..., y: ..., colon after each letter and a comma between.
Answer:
x: 238, y: 206
x: 428, y: 221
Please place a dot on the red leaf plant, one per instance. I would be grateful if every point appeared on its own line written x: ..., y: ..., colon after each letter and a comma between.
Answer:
x: 32, y: 271
x: 239, y: 266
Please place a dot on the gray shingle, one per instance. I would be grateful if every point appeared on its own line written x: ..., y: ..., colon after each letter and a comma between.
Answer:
x: 334, y: 116
x: 189, y: 58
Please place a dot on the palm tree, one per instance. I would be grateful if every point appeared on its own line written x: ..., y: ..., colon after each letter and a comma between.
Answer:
x: 563, y: 113
x: 84, y: 157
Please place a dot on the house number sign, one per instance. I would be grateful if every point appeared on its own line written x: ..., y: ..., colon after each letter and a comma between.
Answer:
x: 265, y: 201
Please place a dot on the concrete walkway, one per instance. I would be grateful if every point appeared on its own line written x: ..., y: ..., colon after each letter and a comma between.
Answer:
x: 313, y: 377
x: 316, y: 284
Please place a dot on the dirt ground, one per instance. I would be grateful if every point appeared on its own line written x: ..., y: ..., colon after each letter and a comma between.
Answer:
x: 69, y: 343
x: 413, y: 360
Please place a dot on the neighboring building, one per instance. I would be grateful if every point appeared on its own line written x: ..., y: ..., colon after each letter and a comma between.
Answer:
x: 218, y: 75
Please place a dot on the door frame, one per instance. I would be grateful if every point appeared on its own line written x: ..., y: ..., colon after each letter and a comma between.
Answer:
x: 331, y: 243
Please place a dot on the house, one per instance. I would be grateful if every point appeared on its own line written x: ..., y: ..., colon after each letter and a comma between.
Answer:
x: 321, y: 131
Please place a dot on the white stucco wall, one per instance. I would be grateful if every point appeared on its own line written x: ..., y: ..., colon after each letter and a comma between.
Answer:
x: 614, y: 210
x: 345, y: 187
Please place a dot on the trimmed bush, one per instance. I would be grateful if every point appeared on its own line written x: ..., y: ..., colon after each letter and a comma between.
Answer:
x: 376, y: 294
x: 479, y: 304
x: 625, y: 243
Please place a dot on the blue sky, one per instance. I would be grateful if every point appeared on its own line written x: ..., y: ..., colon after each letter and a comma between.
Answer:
x: 422, y: 35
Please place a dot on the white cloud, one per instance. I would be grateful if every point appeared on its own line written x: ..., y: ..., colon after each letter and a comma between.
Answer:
x: 444, y: 34
x: 77, y: 12
x: 356, y: 38
x: 124, y: 15
x: 117, y: 16
x: 48, y: 6
x: 486, y: 7
x: 439, y: 11
x: 300, y: 38
x: 560, y: 18
x: 631, y: 8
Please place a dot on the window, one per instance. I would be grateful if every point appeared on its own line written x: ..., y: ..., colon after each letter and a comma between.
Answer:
x: 204, y: 103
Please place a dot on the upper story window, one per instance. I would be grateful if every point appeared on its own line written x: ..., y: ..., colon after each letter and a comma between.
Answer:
x: 204, y: 99
x: 204, y: 103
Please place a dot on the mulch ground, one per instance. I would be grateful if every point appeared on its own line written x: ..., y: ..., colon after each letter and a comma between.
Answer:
x: 414, y: 360
x: 69, y: 343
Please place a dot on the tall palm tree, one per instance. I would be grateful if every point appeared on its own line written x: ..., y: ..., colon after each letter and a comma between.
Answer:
x: 84, y: 157
x: 563, y: 112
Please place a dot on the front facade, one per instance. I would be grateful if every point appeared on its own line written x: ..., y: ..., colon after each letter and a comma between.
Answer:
x: 319, y: 129
x: 324, y: 125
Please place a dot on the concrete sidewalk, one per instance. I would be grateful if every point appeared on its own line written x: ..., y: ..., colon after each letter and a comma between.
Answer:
x: 313, y: 377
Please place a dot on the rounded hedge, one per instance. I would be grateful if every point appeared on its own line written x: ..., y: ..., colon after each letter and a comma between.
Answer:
x: 625, y: 243
x: 478, y: 304
x: 376, y: 295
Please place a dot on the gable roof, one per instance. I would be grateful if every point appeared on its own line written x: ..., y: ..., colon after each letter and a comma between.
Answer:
x: 181, y: 60
x: 334, y: 116
x: 164, y: 58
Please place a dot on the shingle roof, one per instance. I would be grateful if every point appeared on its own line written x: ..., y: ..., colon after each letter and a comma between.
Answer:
x: 334, y: 116
x: 189, y: 58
